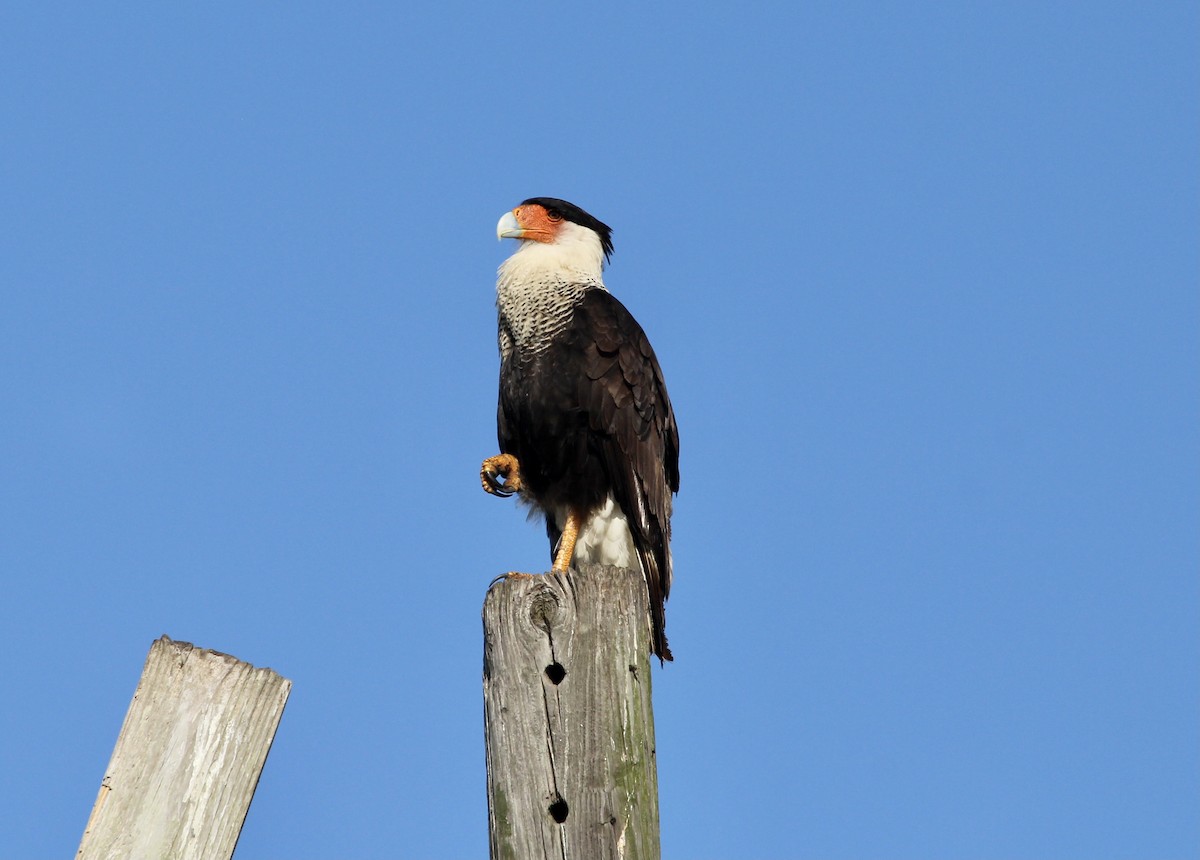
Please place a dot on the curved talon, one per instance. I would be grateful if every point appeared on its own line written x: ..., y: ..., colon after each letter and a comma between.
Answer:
x: 493, y: 484
x: 512, y: 574
x: 501, y: 475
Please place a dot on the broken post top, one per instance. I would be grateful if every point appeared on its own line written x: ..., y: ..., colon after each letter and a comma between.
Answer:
x: 188, y: 757
x: 543, y: 610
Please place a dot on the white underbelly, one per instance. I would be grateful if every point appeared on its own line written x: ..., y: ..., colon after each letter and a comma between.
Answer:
x: 604, y: 538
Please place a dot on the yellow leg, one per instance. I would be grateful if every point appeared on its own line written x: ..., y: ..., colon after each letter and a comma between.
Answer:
x: 501, y: 475
x: 566, y: 543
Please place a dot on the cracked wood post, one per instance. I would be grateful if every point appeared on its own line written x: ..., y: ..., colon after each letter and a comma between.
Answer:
x: 569, y: 724
x: 188, y: 758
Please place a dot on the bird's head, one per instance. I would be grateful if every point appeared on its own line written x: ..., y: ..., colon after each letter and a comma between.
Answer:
x: 547, y: 226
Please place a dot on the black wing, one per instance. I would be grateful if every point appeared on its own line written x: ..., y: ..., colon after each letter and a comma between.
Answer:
x: 633, y: 434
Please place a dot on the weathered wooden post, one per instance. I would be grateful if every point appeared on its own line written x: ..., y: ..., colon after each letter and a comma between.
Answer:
x: 188, y: 758
x: 569, y: 723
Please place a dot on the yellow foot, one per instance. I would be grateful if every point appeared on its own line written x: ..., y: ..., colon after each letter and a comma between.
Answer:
x: 565, y: 550
x: 501, y: 475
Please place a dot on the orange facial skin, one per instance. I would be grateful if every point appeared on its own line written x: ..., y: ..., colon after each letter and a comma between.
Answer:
x: 536, y: 223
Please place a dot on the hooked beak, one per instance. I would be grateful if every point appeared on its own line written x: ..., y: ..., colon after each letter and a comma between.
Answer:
x: 509, y: 227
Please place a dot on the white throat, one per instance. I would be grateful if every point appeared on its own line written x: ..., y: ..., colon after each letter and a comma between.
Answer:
x: 576, y: 255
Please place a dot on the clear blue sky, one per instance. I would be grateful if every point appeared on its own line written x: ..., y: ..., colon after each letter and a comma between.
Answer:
x: 925, y: 283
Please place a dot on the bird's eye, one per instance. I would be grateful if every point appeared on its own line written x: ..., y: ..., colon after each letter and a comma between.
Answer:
x: 554, y: 214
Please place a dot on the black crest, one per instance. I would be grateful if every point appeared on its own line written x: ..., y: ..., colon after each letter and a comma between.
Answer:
x: 571, y: 212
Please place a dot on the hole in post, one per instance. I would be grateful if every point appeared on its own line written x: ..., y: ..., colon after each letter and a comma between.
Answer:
x: 558, y: 810
x: 555, y: 672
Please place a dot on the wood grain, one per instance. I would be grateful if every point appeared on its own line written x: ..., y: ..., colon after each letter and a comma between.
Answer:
x: 188, y: 758
x: 569, y: 719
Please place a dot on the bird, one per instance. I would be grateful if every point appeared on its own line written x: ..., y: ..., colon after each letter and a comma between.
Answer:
x: 586, y: 430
